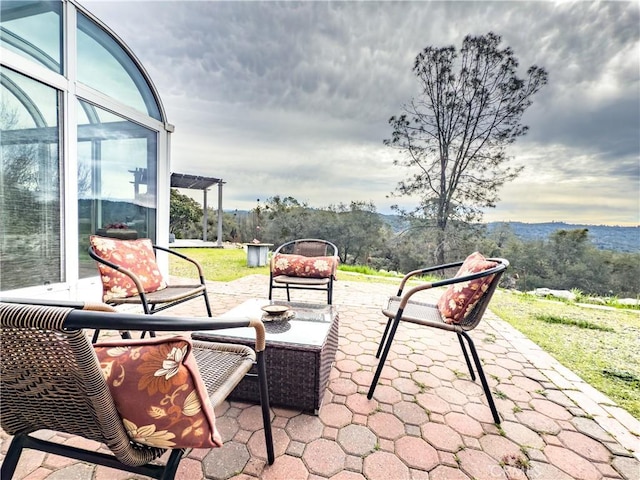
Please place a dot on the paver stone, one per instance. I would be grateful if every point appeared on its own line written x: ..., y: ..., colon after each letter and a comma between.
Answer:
x: 571, y: 463
x: 285, y: 467
x: 386, y: 425
x: 443, y: 472
x: 304, y: 428
x: 543, y: 471
x: 223, y: 463
x: 410, y: 413
x: 478, y: 464
x: 334, y: 415
x: 628, y: 467
x: 463, y: 424
x: 384, y: 466
x: 77, y: 471
x: 591, y: 428
x: 550, y: 409
x: 356, y: 439
x: 257, y: 447
x: 433, y: 403
x: 442, y: 437
x: 584, y: 446
x: 324, y: 457
x: 416, y: 453
x: 538, y: 422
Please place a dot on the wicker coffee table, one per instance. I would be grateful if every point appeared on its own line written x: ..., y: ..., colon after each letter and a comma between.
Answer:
x: 299, y: 354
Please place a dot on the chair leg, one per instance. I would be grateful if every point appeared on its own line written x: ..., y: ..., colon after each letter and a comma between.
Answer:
x: 264, y: 403
x: 10, y: 461
x: 385, y: 352
x: 384, y: 337
x: 466, y: 357
x: 207, y: 304
x: 173, y: 462
x: 483, y: 380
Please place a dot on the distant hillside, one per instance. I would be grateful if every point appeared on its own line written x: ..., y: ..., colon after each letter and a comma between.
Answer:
x: 604, y: 237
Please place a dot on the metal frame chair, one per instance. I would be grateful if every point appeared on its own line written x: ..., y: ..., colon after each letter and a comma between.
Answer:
x: 307, y: 247
x: 402, y: 308
x: 51, y: 379
x: 154, y: 302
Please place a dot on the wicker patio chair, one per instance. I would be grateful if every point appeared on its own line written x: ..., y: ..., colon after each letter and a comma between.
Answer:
x: 51, y: 379
x: 130, y: 275
x: 459, y: 310
x: 305, y: 264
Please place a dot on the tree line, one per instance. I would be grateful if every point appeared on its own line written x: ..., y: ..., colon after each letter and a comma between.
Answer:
x: 567, y: 259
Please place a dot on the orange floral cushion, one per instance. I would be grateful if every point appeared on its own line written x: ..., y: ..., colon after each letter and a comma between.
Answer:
x: 460, y: 298
x: 158, y: 392
x: 134, y: 255
x: 301, y: 266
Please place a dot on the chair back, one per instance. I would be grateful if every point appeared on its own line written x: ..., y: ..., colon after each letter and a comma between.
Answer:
x: 472, y: 320
x: 309, y: 247
x: 50, y: 379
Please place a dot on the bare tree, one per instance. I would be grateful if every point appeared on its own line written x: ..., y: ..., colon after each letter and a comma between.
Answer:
x: 455, y: 133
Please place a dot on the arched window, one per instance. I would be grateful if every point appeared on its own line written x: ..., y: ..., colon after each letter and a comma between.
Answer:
x: 84, y: 143
x: 104, y: 65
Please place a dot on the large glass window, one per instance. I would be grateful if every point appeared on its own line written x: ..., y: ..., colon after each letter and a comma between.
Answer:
x: 33, y: 29
x: 105, y: 66
x: 30, y: 231
x: 117, y: 165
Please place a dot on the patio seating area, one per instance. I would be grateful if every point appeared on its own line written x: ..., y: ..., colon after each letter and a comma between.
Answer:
x: 426, y: 420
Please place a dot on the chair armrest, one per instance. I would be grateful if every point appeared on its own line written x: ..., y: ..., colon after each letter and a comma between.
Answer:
x: 184, y: 257
x: 449, y: 281
x: 83, y: 319
x: 47, y: 302
x: 422, y: 271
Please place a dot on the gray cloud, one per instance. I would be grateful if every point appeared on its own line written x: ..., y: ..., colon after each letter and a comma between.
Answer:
x: 287, y: 97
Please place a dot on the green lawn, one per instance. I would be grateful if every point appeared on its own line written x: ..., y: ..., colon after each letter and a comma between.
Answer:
x: 599, y: 345
x: 219, y: 264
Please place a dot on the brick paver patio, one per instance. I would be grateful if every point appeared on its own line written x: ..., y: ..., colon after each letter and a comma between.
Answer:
x: 427, y: 419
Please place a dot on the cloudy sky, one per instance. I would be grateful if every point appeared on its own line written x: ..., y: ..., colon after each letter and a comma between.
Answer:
x: 293, y: 98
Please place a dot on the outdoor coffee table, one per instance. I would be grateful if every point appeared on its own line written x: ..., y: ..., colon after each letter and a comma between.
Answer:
x: 299, y: 353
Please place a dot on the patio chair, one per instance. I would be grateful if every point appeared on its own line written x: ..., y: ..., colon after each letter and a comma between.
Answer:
x: 305, y: 264
x: 130, y: 275
x: 459, y: 310
x: 53, y: 378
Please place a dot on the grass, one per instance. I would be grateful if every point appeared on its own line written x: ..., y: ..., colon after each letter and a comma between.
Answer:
x: 600, y: 345
x: 227, y: 264
x: 580, y: 323
x: 219, y: 264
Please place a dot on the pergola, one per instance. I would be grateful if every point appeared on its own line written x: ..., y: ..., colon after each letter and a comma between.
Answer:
x: 197, y: 182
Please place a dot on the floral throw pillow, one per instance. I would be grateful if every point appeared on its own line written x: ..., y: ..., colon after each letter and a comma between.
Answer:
x: 134, y: 255
x: 158, y: 392
x: 301, y: 266
x: 460, y: 298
